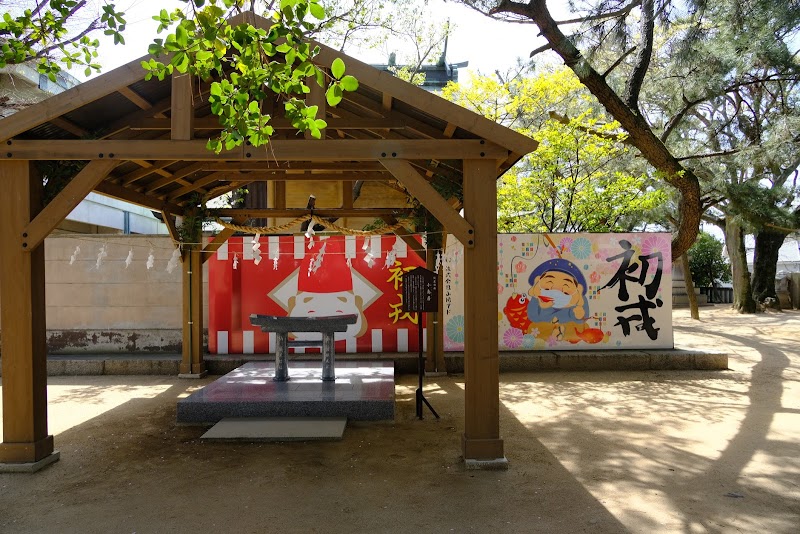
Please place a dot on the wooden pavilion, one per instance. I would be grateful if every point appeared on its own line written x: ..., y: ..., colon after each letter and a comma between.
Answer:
x: 145, y: 142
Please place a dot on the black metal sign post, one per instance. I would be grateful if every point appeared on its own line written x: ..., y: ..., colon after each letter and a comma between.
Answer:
x: 421, y: 294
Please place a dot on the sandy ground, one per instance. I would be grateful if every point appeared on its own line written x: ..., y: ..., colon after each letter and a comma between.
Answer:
x: 603, y: 452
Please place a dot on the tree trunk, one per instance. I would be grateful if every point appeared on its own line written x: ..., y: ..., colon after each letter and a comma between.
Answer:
x: 743, y: 301
x: 687, y: 278
x: 765, y: 266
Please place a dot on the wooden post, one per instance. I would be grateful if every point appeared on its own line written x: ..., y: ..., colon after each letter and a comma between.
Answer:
x: 182, y: 126
x: 481, y: 440
x: 434, y: 355
x: 192, y: 364
x: 22, y: 309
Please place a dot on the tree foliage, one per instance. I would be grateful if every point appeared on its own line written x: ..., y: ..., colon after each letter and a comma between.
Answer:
x: 706, y: 262
x: 246, y: 64
x: 582, y: 177
x: 56, y: 34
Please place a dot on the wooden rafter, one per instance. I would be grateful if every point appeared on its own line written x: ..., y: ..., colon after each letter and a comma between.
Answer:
x: 195, y: 186
x: 279, y: 150
x: 124, y: 122
x: 147, y: 168
x: 69, y: 126
x: 134, y: 97
x: 418, y: 186
x: 177, y: 176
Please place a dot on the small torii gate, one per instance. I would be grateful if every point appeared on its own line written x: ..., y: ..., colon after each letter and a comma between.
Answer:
x: 144, y: 143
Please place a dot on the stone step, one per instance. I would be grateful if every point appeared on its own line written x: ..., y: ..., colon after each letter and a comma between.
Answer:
x: 277, y: 429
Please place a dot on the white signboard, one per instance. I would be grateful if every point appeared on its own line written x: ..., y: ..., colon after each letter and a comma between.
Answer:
x: 571, y: 292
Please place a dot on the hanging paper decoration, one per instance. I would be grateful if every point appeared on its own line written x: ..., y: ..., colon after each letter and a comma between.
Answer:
x: 366, y: 244
x: 317, y: 263
x: 151, y: 259
x: 235, y: 261
x: 173, y: 261
x: 310, y: 235
x: 275, y: 255
x: 75, y: 254
x: 257, y: 249
x: 391, y: 258
x: 438, y: 261
x: 369, y: 258
x: 101, y: 256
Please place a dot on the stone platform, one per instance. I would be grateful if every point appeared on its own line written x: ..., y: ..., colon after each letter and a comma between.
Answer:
x: 363, y: 391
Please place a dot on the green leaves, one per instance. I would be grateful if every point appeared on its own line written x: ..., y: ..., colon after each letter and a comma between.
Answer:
x: 337, y: 68
x: 53, y: 28
x: 341, y: 83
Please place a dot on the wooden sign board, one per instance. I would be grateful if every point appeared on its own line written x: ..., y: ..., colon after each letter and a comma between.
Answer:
x: 420, y: 291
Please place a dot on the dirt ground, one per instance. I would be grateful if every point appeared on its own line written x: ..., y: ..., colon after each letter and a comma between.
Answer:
x: 604, y: 452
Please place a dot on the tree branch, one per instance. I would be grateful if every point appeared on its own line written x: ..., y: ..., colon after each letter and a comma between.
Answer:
x: 710, y: 155
x: 602, y: 16
x: 640, y: 134
x: 634, y: 84
x: 619, y: 60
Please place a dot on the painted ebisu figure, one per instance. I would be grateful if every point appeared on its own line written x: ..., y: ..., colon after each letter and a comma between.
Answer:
x: 328, y: 290
x: 556, y: 304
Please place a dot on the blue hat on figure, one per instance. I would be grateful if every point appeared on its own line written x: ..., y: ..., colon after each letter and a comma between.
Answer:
x: 560, y: 265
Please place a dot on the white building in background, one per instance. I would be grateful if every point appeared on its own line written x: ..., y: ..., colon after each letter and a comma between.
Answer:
x: 788, y: 256
x: 21, y: 86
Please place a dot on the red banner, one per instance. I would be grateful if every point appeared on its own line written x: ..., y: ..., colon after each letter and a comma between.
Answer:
x: 337, y: 275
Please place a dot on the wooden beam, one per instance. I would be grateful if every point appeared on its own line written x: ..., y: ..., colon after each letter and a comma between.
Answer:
x: 153, y: 203
x: 22, y: 314
x: 347, y: 195
x: 267, y: 176
x: 67, y: 200
x: 344, y: 166
x: 291, y: 213
x: 172, y: 228
x: 408, y: 238
x: 212, y: 123
x: 481, y: 439
x: 182, y: 109
x: 69, y: 100
x: 280, y: 195
x: 418, y: 186
x: 218, y: 240
x: 277, y: 150
x: 316, y: 97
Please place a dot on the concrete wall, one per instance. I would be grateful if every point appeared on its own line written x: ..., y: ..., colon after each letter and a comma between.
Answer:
x: 113, y: 308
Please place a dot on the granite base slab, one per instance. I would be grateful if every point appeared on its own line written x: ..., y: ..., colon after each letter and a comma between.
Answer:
x: 362, y: 391
x: 277, y: 429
